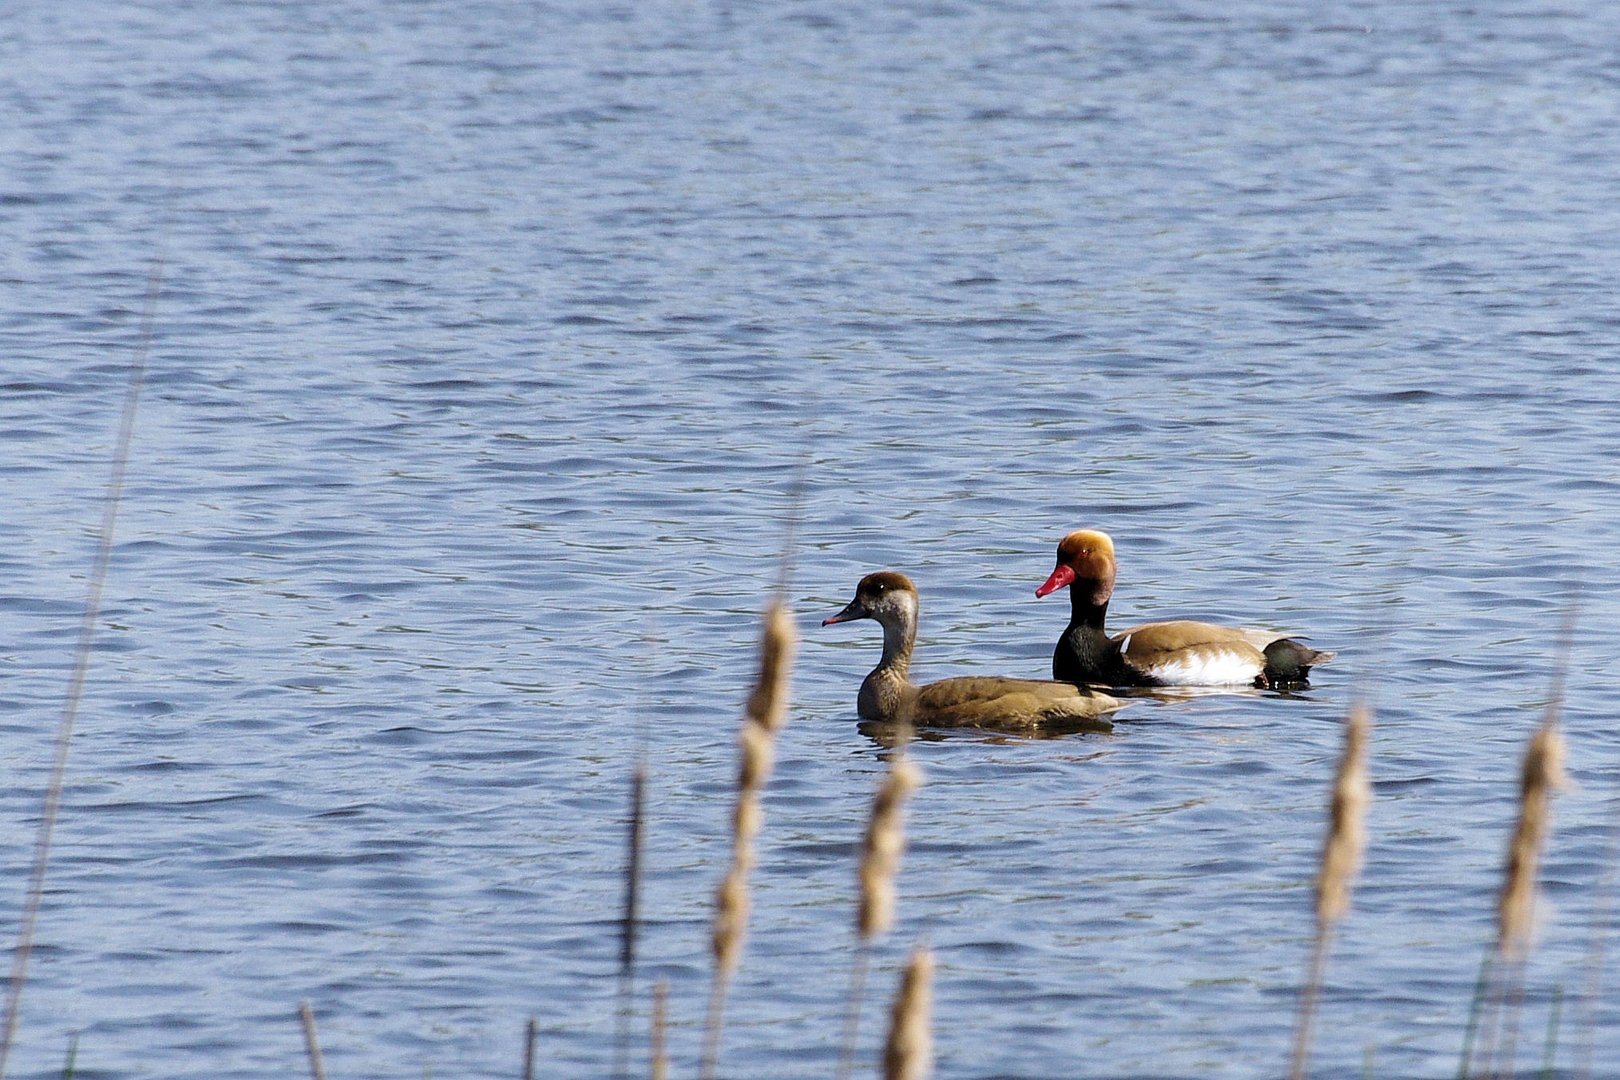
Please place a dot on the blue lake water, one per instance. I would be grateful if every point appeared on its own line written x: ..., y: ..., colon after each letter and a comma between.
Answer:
x: 491, y: 340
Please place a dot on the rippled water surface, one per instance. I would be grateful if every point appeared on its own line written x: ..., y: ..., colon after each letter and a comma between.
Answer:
x: 491, y: 339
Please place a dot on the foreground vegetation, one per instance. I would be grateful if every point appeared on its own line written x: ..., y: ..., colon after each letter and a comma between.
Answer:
x: 1488, y: 1046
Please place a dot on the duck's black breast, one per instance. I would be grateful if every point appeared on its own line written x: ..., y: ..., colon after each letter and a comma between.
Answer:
x: 1084, y: 654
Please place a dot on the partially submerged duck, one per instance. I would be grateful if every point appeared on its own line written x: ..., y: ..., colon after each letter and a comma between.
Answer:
x: 991, y: 701
x: 1177, y: 653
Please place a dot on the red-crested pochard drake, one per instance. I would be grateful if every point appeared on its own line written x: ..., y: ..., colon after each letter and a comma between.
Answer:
x: 991, y: 701
x: 1179, y: 653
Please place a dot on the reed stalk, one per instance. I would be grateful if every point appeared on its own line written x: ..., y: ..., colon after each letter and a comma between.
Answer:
x: 530, y: 1036
x: 1341, y: 860
x: 34, y: 894
x: 765, y: 716
x: 1476, y: 1007
x: 1540, y: 777
x: 881, y: 850
x: 908, y: 1053
x: 659, y: 1069
x: 312, y: 1045
x: 629, y: 922
x: 1511, y: 1009
x: 1596, y: 953
x: 1550, y: 1045
x: 879, y: 865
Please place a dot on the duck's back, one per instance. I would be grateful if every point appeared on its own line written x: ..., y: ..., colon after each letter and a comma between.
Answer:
x: 1184, y: 652
x: 996, y: 701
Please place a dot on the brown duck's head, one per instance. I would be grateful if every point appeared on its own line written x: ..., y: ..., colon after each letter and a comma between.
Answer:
x: 1085, y: 561
x: 887, y: 596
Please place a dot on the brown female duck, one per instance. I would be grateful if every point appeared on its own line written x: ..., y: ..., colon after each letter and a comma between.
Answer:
x: 992, y: 701
x: 1179, y: 653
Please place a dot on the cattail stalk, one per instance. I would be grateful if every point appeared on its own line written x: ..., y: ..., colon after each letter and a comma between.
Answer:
x: 530, y: 1036
x: 660, y: 1027
x: 1482, y: 985
x: 881, y: 850
x: 1543, y: 774
x: 312, y: 1045
x: 627, y: 937
x: 766, y: 715
x: 909, y: 1052
x: 1550, y: 1046
x: 1592, y: 988
x: 879, y: 865
x: 90, y: 616
x: 1347, y: 832
x: 1341, y: 860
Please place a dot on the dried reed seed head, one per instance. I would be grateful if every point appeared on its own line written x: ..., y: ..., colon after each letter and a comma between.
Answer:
x: 884, y: 843
x: 767, y: 705
x: 730, y: 919
x: 756, y: 755
x: 1515, y: 910
x: 878, y: 896
x: 1543, y: 763
x: 1357, y: 727
x: 904, y: 777
x: 767, y: 711
x: 1543, y: 773
x: 1347, y: 834
x: 908, y: 1053
x: 745, y: 825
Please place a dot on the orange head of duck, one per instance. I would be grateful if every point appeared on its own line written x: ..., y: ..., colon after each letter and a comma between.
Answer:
x: 1085, y: 562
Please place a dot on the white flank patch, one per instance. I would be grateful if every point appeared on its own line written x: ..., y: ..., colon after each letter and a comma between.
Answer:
x: 1208, y: 669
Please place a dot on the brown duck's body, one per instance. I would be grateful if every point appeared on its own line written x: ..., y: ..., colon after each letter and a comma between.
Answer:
x: 984, y: 701
x: 1177, y: 653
